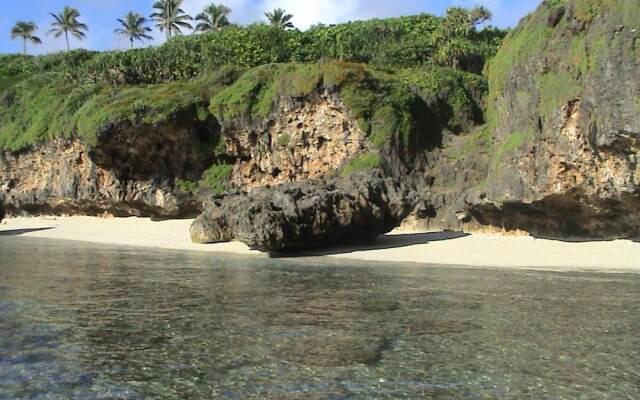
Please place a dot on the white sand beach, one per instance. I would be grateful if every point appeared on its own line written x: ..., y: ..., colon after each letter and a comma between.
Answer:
x: 477, y: 250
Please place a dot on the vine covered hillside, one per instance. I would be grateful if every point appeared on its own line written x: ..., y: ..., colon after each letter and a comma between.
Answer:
x: 152, y: 128
x: 82, y: 93
x: 405, y: 42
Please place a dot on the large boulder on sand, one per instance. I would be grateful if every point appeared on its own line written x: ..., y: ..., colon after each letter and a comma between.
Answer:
x: 306, y: 215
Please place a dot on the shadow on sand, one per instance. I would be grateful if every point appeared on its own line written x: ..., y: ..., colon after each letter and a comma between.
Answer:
x: 383, y: 242
x: 18, y: 232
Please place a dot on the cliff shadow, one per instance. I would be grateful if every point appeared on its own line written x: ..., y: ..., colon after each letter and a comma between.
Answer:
x: 18, y: 232
x: 383, y: 242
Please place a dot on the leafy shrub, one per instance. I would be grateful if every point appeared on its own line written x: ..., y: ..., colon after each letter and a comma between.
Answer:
x: 216, y: 178
x: 384, y: 43
x: 187, y: 186
x: 364, y: 162
x: 48, y: 106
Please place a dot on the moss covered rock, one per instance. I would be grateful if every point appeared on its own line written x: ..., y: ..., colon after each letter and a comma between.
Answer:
x: 563, y: 108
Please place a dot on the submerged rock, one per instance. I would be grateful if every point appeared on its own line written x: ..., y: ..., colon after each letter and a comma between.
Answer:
x: 306, y: 215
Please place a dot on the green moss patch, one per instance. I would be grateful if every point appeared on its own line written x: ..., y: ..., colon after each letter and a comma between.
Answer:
x: 48, y: 106
x: 457, y: 96
x: 216, y: 178
x: 380, y: 102
x: 364, y: 162
x: 510, y: 145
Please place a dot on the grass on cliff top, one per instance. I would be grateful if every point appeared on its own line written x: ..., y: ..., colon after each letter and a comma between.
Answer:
x: 388, y: 106
x: 403, y: 42
x: 380, y: 102
x: 47, y: 106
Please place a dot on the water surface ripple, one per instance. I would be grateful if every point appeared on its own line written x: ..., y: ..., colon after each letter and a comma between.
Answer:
x: 94, y: 322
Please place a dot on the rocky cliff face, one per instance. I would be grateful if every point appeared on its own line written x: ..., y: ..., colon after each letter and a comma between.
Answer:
x: 559, y: 156
x: 564, y: 109
x: 130, y: 171
x: 306, y: 139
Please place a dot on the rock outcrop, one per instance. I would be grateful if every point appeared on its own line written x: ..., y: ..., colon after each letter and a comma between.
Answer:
x: 129, y: 172
x: 305, y: 139
x: 560, y: 154
x: 565, y: 112
x: 307, y: 215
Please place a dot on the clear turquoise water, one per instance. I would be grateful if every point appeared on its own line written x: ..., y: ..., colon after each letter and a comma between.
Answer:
x: 94, y: 322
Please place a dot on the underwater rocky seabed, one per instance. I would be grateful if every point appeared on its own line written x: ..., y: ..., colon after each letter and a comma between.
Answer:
x: 97, y: 322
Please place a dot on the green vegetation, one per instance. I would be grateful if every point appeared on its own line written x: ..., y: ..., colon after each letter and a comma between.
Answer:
x: 551, y: 4
x: 556, y: 89
x: 523, y: 45
x: 510, y: 144
x: 406, y: 42
x: 280, y: 19
x: 46, y: 106
x: 284, y: 140
x: 480, y: 141
x: 542, y: 66
x: 216, y: 178
x: 388, y: 73
x: 362, y: 163
x: 187, y: 186
x: 213, y: 18
x: 456, y: 96
x: 381, y: 102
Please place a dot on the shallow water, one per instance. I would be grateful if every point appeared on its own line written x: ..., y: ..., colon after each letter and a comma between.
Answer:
x: 92, y: 322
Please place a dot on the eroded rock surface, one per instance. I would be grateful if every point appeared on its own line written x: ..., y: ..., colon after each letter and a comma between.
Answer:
x: 131, y: 172
x: 304, y: 140
x: 306, y: 215
x: 564, y: 122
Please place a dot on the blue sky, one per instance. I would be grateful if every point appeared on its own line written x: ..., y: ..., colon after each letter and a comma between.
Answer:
x: 101, y: 15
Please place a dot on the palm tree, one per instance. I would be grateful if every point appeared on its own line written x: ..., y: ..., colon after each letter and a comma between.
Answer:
x: 461, y: 21
x: 67, y: 22
x: 279, y: 18
x: 169, y: 17
x: 213, y: 18
x: 24, y: 30
x: 480, y: 15
x: 133, y: 28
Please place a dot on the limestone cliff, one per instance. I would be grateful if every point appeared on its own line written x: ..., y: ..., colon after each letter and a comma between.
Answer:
x: 565, y: 113
x: 129, y: 171
x: 304, y: 139
x: 548, y: 142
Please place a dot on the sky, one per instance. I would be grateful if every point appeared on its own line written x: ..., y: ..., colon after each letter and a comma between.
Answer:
x: 101, y: 15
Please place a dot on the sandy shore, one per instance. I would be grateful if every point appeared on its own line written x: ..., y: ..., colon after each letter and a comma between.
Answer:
x: 479, y: 250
